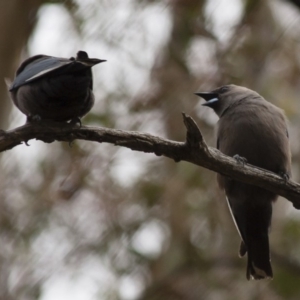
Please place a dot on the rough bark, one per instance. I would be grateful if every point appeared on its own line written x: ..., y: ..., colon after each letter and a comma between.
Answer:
x: 193, y: 150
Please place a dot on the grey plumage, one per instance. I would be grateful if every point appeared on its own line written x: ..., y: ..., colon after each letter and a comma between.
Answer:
x: 252, y: 128
x: 54, y: 88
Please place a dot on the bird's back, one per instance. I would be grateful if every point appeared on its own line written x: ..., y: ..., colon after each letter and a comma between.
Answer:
x: 54, y: 88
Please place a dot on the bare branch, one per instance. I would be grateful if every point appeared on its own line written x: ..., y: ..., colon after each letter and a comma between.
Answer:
x: 194, y: 150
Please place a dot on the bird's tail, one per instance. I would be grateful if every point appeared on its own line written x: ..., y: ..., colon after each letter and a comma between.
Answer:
x: 253, y: 218
x: 259, y: 261
x: 256, y: 241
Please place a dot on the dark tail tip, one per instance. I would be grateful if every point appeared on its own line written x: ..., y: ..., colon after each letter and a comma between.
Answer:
x: 259, y: 261
x: 257, y: 273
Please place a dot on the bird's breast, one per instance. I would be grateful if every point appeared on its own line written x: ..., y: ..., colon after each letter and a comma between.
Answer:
x: 258, y: 134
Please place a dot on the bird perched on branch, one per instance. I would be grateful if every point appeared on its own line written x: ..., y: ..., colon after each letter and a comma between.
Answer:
x: 251, y: 130
x: 54, y: 88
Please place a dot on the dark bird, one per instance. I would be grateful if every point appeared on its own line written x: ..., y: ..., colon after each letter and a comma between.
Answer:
x: 54, y: 88
x: 254, y: 130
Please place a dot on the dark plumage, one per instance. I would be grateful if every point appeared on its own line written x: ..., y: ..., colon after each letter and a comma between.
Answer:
x: 251, y: 127
x: 54, y: 88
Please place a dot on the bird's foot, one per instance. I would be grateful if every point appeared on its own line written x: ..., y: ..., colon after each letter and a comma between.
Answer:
x: 34, y: 118
x: 240, y: 160
x: 284, y: 176
x: 75, y: 121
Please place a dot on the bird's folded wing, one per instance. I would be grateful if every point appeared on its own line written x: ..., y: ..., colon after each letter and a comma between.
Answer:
x: 38, y: 68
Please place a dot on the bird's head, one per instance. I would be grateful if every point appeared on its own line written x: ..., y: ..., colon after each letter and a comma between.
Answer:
x: 223, y: 97
x: 83, y: 57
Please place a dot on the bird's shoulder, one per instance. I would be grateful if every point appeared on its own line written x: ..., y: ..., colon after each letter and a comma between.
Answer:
x: 253, y: 113
x: 256, y: 107
x: 36, y: 67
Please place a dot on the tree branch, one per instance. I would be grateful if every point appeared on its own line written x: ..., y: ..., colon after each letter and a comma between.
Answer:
x: 194, y: 150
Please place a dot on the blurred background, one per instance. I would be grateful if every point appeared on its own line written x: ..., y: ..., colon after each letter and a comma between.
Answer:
x: 94, y: 221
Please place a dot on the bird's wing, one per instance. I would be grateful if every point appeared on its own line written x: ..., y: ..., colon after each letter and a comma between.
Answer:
x: 36, y: 67
x: 238, y: 214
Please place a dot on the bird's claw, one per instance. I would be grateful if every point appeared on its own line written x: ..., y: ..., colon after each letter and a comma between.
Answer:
x: 75, y: 121
x: 34, y: 118
x: 240, y: 160
x: 284, y: 176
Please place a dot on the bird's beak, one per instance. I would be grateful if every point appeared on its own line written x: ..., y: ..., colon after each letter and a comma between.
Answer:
x: 92, y: 61
x: 210, y: 98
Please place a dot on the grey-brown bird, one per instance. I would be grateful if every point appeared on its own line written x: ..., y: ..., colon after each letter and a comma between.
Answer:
x: 54, y: 88
x: 251, y: 128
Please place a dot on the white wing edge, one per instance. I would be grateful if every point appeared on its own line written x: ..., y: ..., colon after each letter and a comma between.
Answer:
x: 234, y: 221
x: 42, y: 73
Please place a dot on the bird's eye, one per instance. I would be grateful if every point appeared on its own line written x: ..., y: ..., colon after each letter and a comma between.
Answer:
x: 224, y: 89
